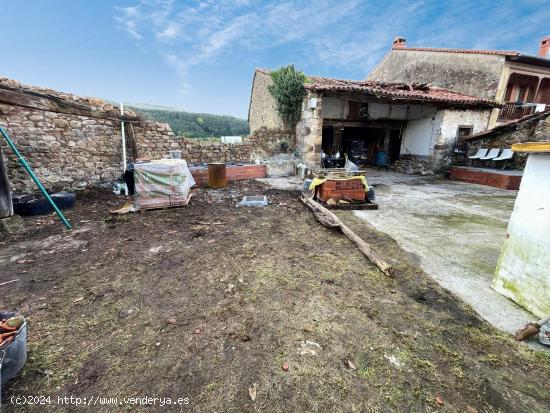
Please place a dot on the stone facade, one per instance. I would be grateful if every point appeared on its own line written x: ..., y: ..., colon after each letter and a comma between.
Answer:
x: 309, y: 131
x: 533, y: 129
x: 472, y: 74
x: 68, y: 150
x: 262, y: 111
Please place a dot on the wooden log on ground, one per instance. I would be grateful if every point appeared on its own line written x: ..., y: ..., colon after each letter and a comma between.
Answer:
x: 332, y: 221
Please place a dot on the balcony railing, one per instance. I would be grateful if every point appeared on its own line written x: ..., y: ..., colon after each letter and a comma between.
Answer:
x: 513, y: 111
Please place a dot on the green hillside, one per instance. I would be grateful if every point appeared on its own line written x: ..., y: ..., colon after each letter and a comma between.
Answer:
x: 194, y: 125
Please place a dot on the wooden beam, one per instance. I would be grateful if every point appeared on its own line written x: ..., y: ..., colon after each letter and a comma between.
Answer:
x: 50, y: 103
x: 330, y: 220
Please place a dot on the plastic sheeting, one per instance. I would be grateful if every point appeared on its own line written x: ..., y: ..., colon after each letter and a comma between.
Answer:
x: 162, y: 183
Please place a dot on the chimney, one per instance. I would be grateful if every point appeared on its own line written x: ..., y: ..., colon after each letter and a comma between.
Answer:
x: 544, y: 49
x: 401, y: 43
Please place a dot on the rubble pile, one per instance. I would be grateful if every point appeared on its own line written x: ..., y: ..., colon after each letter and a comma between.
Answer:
x: 412, y: 166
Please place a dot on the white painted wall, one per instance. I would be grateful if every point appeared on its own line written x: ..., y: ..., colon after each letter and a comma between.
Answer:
x: 338, y: 108
x: 523, y: 270
x: 421, y: 135
x: 418, y: 136
x: 453, y: 118
x: 333, y: 107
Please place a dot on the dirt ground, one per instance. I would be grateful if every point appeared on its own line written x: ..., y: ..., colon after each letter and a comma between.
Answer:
x: 208, y: 302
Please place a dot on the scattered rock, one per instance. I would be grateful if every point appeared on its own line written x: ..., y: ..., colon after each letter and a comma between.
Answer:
x: 252, y: 392
x: 350, y: 365
x: 285, y: 366
x: 77, y: 300
x: 393, y: 360
x: 309, y: 348
x: 12, y: 224
x: 126, y: 312
x: 412, y: 166
x: 172, y: 320
x: 198, y: 330
x: 211, y: 241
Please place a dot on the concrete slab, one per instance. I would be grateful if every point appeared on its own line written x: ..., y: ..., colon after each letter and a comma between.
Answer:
x: 455, y: 230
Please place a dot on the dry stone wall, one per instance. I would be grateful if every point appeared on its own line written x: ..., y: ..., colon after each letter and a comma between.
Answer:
x: 65, y: 151
x: 535, y: 129
x: 68, y: 150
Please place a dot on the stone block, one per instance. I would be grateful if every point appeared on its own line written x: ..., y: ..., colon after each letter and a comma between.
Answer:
x: 12, y: 225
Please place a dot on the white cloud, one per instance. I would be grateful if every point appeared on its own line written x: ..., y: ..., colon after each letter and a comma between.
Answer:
x: 341, y: 34
x: 128, y: 20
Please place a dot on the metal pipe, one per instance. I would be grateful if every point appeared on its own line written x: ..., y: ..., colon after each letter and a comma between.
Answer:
x: 123, y: 146
x: 34, y: 178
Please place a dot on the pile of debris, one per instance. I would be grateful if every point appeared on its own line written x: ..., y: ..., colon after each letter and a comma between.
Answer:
x: 412, y: 166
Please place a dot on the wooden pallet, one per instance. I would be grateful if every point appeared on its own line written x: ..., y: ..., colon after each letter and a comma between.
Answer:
x: 351, y: 206
x: 156, y: 207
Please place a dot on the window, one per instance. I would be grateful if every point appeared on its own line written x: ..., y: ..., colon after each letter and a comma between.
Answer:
x: 462, y: 133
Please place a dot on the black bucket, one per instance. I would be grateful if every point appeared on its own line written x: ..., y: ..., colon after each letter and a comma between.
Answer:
x: 13, y: 355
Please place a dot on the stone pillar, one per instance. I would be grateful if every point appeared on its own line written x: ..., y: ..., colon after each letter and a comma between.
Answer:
x: 310, y: 134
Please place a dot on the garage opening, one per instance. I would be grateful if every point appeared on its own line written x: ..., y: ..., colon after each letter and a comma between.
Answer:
x: 360, y: 143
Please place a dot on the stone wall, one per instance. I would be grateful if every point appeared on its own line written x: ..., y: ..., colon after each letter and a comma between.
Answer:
x: 263, y: 110
x: 73, y: 142
x: 468, y: 73
x: 535, y: 128
x: 65, y: 150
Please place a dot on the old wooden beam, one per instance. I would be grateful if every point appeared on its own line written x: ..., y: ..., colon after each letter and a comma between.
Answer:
x: 329, y: 219
x: 40, y: 101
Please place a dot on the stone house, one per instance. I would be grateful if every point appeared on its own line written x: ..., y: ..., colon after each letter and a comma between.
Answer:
x: 355, y: 117
x: 519, y: 81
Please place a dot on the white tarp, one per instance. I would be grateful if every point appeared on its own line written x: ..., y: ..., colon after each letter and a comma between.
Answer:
x: 164, y: 182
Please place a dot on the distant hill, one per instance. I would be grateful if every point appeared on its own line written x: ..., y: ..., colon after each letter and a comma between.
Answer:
x: 193, y: 125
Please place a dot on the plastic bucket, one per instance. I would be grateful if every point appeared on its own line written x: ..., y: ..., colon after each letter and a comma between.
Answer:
x: 13, y: 355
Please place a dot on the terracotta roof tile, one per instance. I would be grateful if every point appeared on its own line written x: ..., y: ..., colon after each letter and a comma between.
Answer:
x: 403, y: 91
x: 469, y: 51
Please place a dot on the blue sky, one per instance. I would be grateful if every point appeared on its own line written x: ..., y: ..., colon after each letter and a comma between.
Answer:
x: 200, y: 55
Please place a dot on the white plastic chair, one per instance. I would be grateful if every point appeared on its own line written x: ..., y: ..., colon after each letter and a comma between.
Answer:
x: 493, y: 153
x: 480, y: 152
x: 505, y: 156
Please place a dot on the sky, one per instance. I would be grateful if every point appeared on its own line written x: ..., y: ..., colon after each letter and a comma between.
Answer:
x: 200, y: 56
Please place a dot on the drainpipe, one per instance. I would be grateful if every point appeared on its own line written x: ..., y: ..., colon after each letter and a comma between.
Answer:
x: 123, y: 146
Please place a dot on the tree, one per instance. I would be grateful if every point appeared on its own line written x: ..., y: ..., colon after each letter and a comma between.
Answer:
x: 289, y: 92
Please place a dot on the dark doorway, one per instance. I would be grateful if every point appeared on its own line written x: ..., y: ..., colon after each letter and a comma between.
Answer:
x: 360, y: 143
x: 394, y: 148
x: 328, y: 139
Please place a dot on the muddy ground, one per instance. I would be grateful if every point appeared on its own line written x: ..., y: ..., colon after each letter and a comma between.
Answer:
x: 208, y: 302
